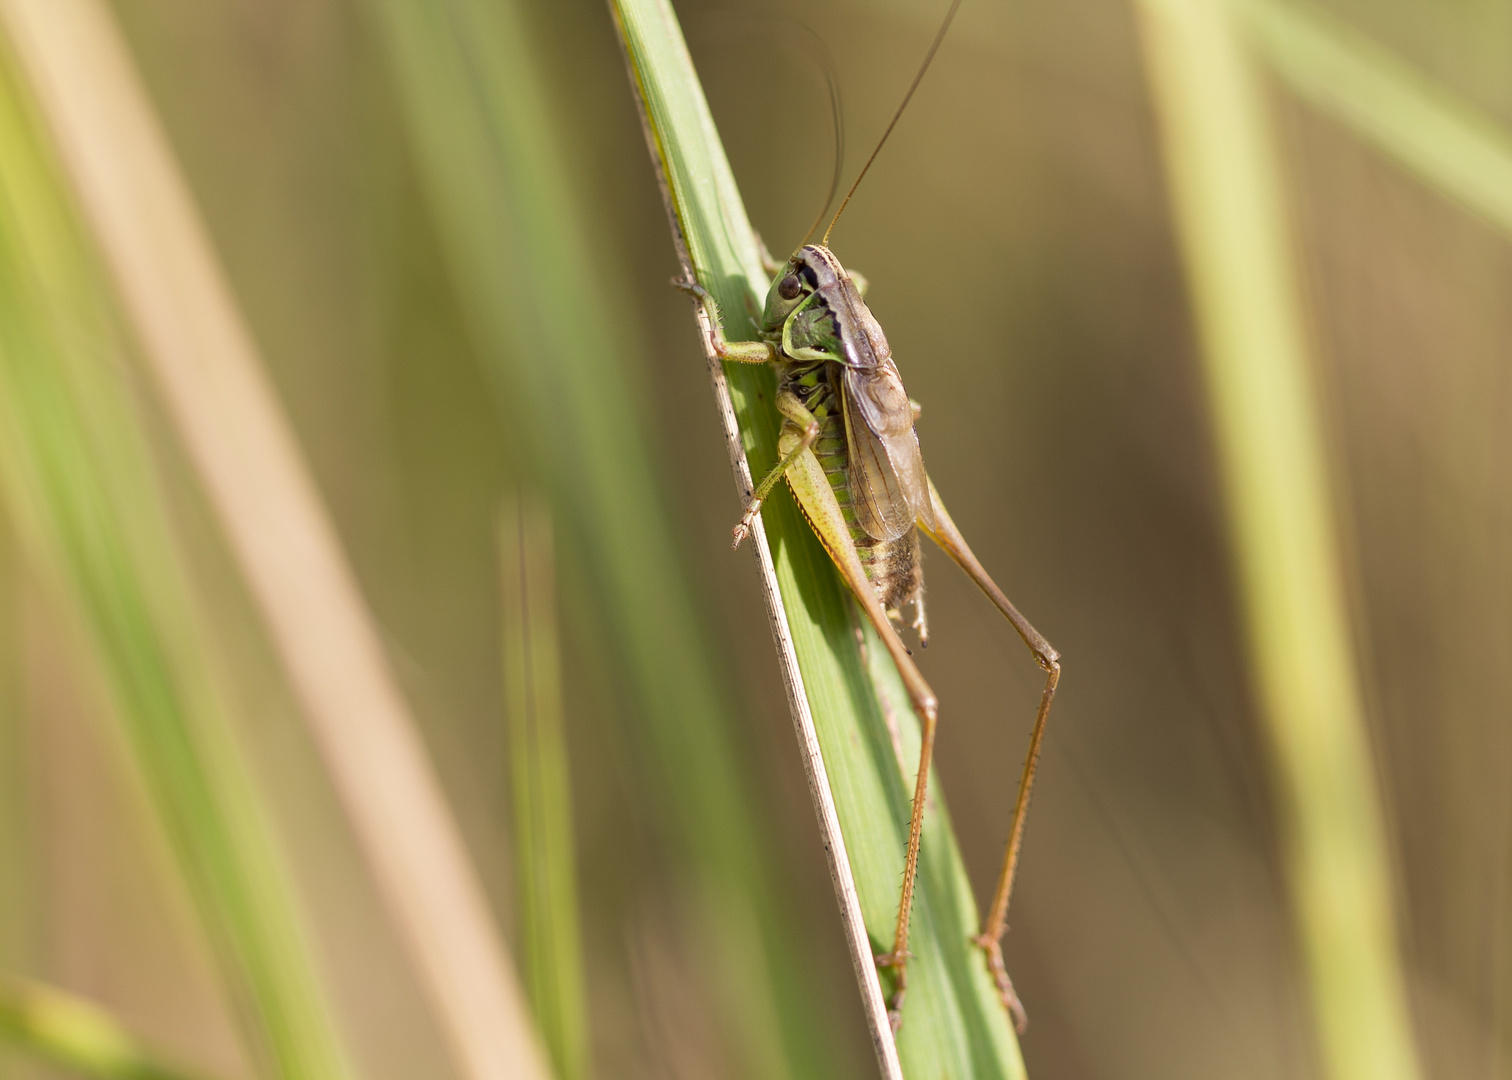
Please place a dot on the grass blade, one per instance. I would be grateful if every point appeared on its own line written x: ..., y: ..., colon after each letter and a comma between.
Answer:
x: 544, y: 855
x: 75, y: 474
x: 1226, y: 197
x: 17, y: 854
x: 564, y: 370
x: 78, y: 1035
x: 953, y: 1022
x: 208, y: 371
x: 1443, y: 140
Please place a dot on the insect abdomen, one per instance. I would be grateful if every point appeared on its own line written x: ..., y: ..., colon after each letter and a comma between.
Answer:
x: 892, y: 566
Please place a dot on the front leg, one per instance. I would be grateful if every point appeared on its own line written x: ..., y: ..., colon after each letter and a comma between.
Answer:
x: 741, y: 352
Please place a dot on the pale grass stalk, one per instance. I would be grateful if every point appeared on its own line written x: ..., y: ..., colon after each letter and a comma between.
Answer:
x: 79, y: 491
x: 211, y: 380
x: 1227, y: 200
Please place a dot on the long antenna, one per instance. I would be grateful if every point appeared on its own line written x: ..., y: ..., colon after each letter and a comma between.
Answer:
x: 929, y: 56
x: 837, y: 123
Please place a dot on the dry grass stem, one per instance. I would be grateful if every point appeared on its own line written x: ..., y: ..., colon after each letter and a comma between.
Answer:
x: 1227, y: 199
x: 208, y: 371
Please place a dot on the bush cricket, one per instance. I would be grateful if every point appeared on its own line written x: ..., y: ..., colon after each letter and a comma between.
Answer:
x: 851, y: 458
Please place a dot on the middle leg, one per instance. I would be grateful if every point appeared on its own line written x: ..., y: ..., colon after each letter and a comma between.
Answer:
x: 800, y: 428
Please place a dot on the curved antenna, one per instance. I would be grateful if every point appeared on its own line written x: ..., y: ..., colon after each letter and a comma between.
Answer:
x: 929, y: 56
x: 837, y: 124
x: 813, y: 49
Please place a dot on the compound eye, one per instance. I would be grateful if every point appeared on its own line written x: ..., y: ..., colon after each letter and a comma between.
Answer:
x: 789, y: 287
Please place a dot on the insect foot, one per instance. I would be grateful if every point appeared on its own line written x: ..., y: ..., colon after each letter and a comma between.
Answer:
x: 747, y: 523
x: 898, y: 962
x: 999, y: 971
x: 690, y: 286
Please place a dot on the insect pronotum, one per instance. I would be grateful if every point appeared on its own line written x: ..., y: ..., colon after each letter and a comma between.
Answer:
x: 849, y: 453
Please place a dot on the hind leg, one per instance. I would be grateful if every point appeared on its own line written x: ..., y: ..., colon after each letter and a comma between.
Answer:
x: 811, y: 488
x: 944, y: 532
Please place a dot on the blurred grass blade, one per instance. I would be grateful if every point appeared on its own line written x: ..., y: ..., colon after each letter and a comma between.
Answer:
x: 563, y: 361
x: 544, y: 855
x: 953, y: 1023
x: 17, y: 857
x: 76, y: 478
x: 78, y: 1035
x: 1226, y: 195
x: 227, y: 416
x: 1445, y: 141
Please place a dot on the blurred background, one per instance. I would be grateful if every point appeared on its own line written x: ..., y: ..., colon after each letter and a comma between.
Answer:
x: 1019, y: 241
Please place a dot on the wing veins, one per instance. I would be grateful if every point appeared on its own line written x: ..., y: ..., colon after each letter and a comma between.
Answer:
x: 889, y: 487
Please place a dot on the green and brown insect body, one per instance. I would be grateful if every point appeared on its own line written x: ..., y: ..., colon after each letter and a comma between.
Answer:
x: 834, y: 358
x: 848, y: 452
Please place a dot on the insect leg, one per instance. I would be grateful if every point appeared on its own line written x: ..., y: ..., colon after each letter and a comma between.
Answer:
x: 798, y: 434
x: 944, y: 532
x: 811, y: 488
x: 742, y: 352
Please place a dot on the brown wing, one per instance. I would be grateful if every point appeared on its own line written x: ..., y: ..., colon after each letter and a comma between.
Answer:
x: 888, y: 484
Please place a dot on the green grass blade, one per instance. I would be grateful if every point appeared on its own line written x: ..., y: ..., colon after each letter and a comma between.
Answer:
x: 565, y: 372
x: 1443, y: 140
x: 78, y: 1035
x: 545, y: 876
x: 1227, y: 201
x: 953, y: 1024
x: 76, y: 477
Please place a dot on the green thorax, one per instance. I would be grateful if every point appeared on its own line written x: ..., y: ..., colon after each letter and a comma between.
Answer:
x: 815, y: 312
